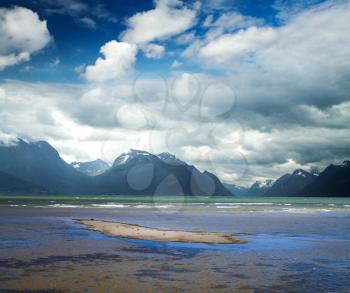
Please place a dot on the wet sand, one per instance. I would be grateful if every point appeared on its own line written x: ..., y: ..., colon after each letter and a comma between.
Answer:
x: 154, y: 234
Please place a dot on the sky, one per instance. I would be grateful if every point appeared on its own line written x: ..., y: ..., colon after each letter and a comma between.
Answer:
x: 246, y: 89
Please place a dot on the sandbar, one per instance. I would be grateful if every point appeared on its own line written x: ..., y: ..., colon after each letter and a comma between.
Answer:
x: 124, y: 230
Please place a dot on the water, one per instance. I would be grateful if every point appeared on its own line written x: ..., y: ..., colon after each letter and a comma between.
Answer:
x: 294, y: 245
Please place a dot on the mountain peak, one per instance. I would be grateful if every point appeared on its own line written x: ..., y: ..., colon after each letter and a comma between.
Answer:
x: 346, y: 163
x: 170, y: 158
x: 264, y: 184
x: 92, y: 168
x: 315, y: 172
x: 131, y: 154
x: 300, y: 172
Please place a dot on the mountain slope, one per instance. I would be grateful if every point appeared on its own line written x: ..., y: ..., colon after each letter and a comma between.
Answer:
x: 291, y: 184
x: 235, y: 189
x: 259, y: 188
x: 40, y: 164
x: 140, y: 172
x: 93, y: 168
x: 12, y: 184
x: 333, y: 181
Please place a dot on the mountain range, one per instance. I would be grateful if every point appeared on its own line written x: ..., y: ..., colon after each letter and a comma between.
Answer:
x: 37, y: 168
x: 333, y: 181
x: 133, y: 173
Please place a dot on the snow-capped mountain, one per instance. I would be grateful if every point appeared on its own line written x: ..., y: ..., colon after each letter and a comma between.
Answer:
x: 93, y: 168
x: 333, y: 181
x: 140, y: 172
x: 259, y: 188
x: 345, y: 164
x: 170, y: 159
x: 290, y: 184
x: 29, y: 167
x: 139, y: 155
x: 131, y: 155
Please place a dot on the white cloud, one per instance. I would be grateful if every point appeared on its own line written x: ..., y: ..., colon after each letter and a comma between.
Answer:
x: 232, y: 47
x: 168, y: 18
x: 231, y: 21
x: 13, y: 59
x: 185, y: 38
x: 153, y: 51
x: 88, y: 22
x: 289, y: 8
x: 118, y: 61
x: 80, y: 68
x: 22, y: 34
x: 55, y: 62
x: 176, y: 64
x: 208, y: 21
x: 309, y: 40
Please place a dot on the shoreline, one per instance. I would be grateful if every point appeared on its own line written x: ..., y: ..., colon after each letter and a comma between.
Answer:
x: 131, y: 231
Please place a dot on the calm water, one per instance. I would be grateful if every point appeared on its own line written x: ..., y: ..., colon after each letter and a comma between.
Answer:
x: 295, y: 245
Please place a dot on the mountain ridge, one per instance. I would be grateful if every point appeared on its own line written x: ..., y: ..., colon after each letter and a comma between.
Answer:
x: 134, y: 172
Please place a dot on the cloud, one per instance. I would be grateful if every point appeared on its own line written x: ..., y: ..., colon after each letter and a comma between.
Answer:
x: 64, y: 7
x: 185, y: 38
x: 88, y: 22
x: 176, y: 64
x: 168, y: 18
x: 22, y: 34
x: 318, y: 32
x: 118, y: 61
x: 218, y: 5
x: 183, y: 115
x: 219, y: 32
x: 84, y: 13
x: 289, y: 8
x: 276, y: 69
x: 153, y: 51
x: 56, y: 62
x: 208, y: 21
x: 231, y: 21
x: 234, y: 47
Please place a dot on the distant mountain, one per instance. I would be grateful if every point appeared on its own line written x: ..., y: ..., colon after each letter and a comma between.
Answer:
x: 291, y: 184
x: 93, y: 168
x: 36, y: 167
x: 40, y: 164
x: 236, y: 190
x: 333, y: 181
x: 12, y: 184
x: 259, y: 188
x: 140, y: 172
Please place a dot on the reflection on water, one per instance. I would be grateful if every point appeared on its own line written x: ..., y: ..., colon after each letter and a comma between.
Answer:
x: 43, y: 250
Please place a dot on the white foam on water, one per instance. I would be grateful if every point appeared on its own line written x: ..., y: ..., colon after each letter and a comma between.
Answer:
x: 162, y: 206
x: 57, y: 205
x: 298, y: 210
x: 245, y: 204
x: 109, y: 205
x: 227, y: 207
x: 142, y: 206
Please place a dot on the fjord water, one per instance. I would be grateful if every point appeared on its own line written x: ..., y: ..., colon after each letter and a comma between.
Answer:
x: 294, y: 245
